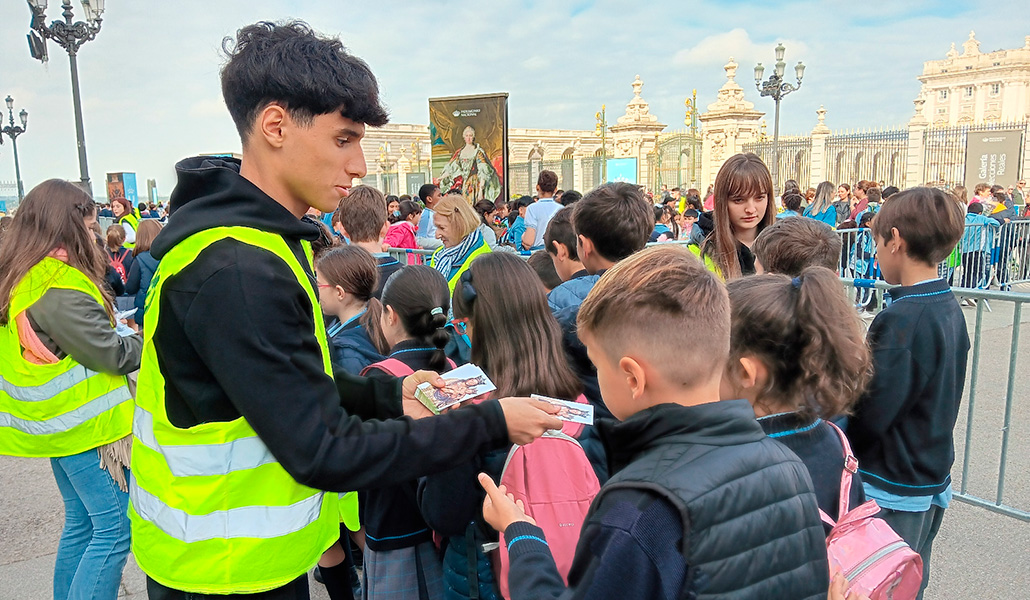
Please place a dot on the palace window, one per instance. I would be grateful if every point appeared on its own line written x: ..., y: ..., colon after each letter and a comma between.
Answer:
x: 969, y: 91
x: 995, y: 89
x: 943, y: 94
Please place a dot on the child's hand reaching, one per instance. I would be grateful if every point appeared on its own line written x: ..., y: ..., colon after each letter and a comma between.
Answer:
x: 839, y: 589
x: 500, y: 509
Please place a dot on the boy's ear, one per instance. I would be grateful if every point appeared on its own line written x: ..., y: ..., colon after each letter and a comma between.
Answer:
x: 896, y: 242
x: 635, y: 376
x: 342, y: 231
x: 384, y: 230
x: 585, y: 247
x: 560, y: 250
x: 269, y: 125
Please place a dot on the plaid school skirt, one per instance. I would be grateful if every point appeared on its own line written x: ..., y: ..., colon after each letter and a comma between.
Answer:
x: 403, y: 574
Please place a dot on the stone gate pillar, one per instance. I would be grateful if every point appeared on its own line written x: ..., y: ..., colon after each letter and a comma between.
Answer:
x: 730, y: 122
x: 820, y: 163
x: 635, y: 133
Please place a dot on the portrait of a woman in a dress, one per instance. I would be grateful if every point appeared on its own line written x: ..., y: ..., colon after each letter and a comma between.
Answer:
x: 470, y: 169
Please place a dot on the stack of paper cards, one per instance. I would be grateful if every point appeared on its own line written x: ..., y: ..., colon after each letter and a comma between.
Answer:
x: 464, y: 383
x: 573, y: 412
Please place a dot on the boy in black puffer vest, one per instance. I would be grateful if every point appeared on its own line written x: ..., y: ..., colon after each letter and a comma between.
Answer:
x: 701, y: 503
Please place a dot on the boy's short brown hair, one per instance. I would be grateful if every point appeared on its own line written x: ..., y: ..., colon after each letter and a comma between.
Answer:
x: 662, y: 288
x: 928, y: 219
x: 548, y: 181
x: 616, y: 218
x: 791, y: 244
x: 362, y: 214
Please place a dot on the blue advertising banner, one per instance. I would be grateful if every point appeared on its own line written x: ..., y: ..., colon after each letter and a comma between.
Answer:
x: 622, y: 170
x: 3, y: 206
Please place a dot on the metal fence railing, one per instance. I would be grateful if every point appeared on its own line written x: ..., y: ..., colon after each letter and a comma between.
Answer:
x: 988, y: 254
x: 989, y: 411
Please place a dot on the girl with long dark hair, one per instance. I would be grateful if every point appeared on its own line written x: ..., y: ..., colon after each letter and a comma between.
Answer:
x: 65, y: 395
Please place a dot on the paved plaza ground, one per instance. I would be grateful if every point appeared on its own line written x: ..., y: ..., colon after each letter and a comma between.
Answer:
x: 978, y: 555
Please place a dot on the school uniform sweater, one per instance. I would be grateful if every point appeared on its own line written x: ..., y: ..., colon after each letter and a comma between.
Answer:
x: 903, y: 428
x: 819, y: 447
x: 391, y: 515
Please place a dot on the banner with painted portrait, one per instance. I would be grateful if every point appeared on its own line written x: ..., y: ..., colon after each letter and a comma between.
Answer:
x: 469, y: 139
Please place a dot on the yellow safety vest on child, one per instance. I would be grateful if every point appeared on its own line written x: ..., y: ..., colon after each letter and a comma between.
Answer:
x: 58, y: 409
x: 212, y: 511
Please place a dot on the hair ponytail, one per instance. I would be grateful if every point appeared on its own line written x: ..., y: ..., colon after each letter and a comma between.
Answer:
x: 420, y: 297
x: 373, y: 324
x: 439, y: 338
x: 807, y: 334
x: 833, y: 357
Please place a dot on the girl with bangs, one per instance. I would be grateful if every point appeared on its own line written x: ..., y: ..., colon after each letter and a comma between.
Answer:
x: 743, y: 189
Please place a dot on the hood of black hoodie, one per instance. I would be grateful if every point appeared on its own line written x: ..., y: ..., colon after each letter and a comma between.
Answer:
x: 210, y: 192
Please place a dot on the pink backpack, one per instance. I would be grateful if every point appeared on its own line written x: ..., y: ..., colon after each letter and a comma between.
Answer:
x: 862, y: 546
x: 554, y: 479
x: 396, y: 368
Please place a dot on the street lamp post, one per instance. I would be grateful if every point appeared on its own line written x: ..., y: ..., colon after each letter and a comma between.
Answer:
x: 691, y: 121
x: 70, y: 35
x: 13, y: 131
x: 601, y: 130
x: 777, y: 88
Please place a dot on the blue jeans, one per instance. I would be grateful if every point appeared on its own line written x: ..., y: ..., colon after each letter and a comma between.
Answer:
x: 95, y: 541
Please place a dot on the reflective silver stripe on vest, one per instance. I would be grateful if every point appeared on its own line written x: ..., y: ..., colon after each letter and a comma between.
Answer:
x: 246, y: 522
x: 68, y: 420
x: 46, y: 391
x: 200, y: 459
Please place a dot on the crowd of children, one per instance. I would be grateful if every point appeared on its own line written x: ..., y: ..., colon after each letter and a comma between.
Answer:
x: 782, y: 357
x: 734, y: 393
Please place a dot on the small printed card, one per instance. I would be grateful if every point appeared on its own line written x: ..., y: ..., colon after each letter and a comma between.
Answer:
x: 573, y: 412
x: 464, y: 383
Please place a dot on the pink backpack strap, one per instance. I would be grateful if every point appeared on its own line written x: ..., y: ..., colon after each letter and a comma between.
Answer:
x: 850, y: 468
x: 390, y: 365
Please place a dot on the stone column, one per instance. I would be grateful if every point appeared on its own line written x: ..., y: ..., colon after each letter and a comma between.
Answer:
x: 915, y: 167
x: 820, y: 163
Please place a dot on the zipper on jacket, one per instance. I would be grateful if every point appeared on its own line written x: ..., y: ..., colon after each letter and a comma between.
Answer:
x: 869, y: 562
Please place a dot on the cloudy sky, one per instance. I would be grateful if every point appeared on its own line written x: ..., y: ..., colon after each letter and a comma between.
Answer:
x: 151, y: 94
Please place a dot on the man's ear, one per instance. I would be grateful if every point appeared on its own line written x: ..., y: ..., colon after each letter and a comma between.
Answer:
x: 636, y: 379
x: 270, y: 124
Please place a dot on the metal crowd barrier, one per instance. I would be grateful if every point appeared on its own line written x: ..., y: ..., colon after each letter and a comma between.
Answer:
x: 963, y: 491
x: 988, y: 254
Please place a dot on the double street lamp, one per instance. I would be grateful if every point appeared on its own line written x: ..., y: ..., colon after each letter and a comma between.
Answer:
x: 70, y: 35
x: 776, y: 87
x: 13, y: 131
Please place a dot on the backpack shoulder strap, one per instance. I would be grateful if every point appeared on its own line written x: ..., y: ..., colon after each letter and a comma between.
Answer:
x: 850, y: 468
x: 392, y: 366
x: 550, y: 433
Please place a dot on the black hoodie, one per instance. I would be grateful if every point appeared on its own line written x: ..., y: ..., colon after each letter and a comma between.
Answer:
x: 236, y: 337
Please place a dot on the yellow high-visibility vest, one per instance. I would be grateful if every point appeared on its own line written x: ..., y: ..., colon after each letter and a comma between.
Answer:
x: 58, y: 409
x: 133, y: 222
x: 212, y: 510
